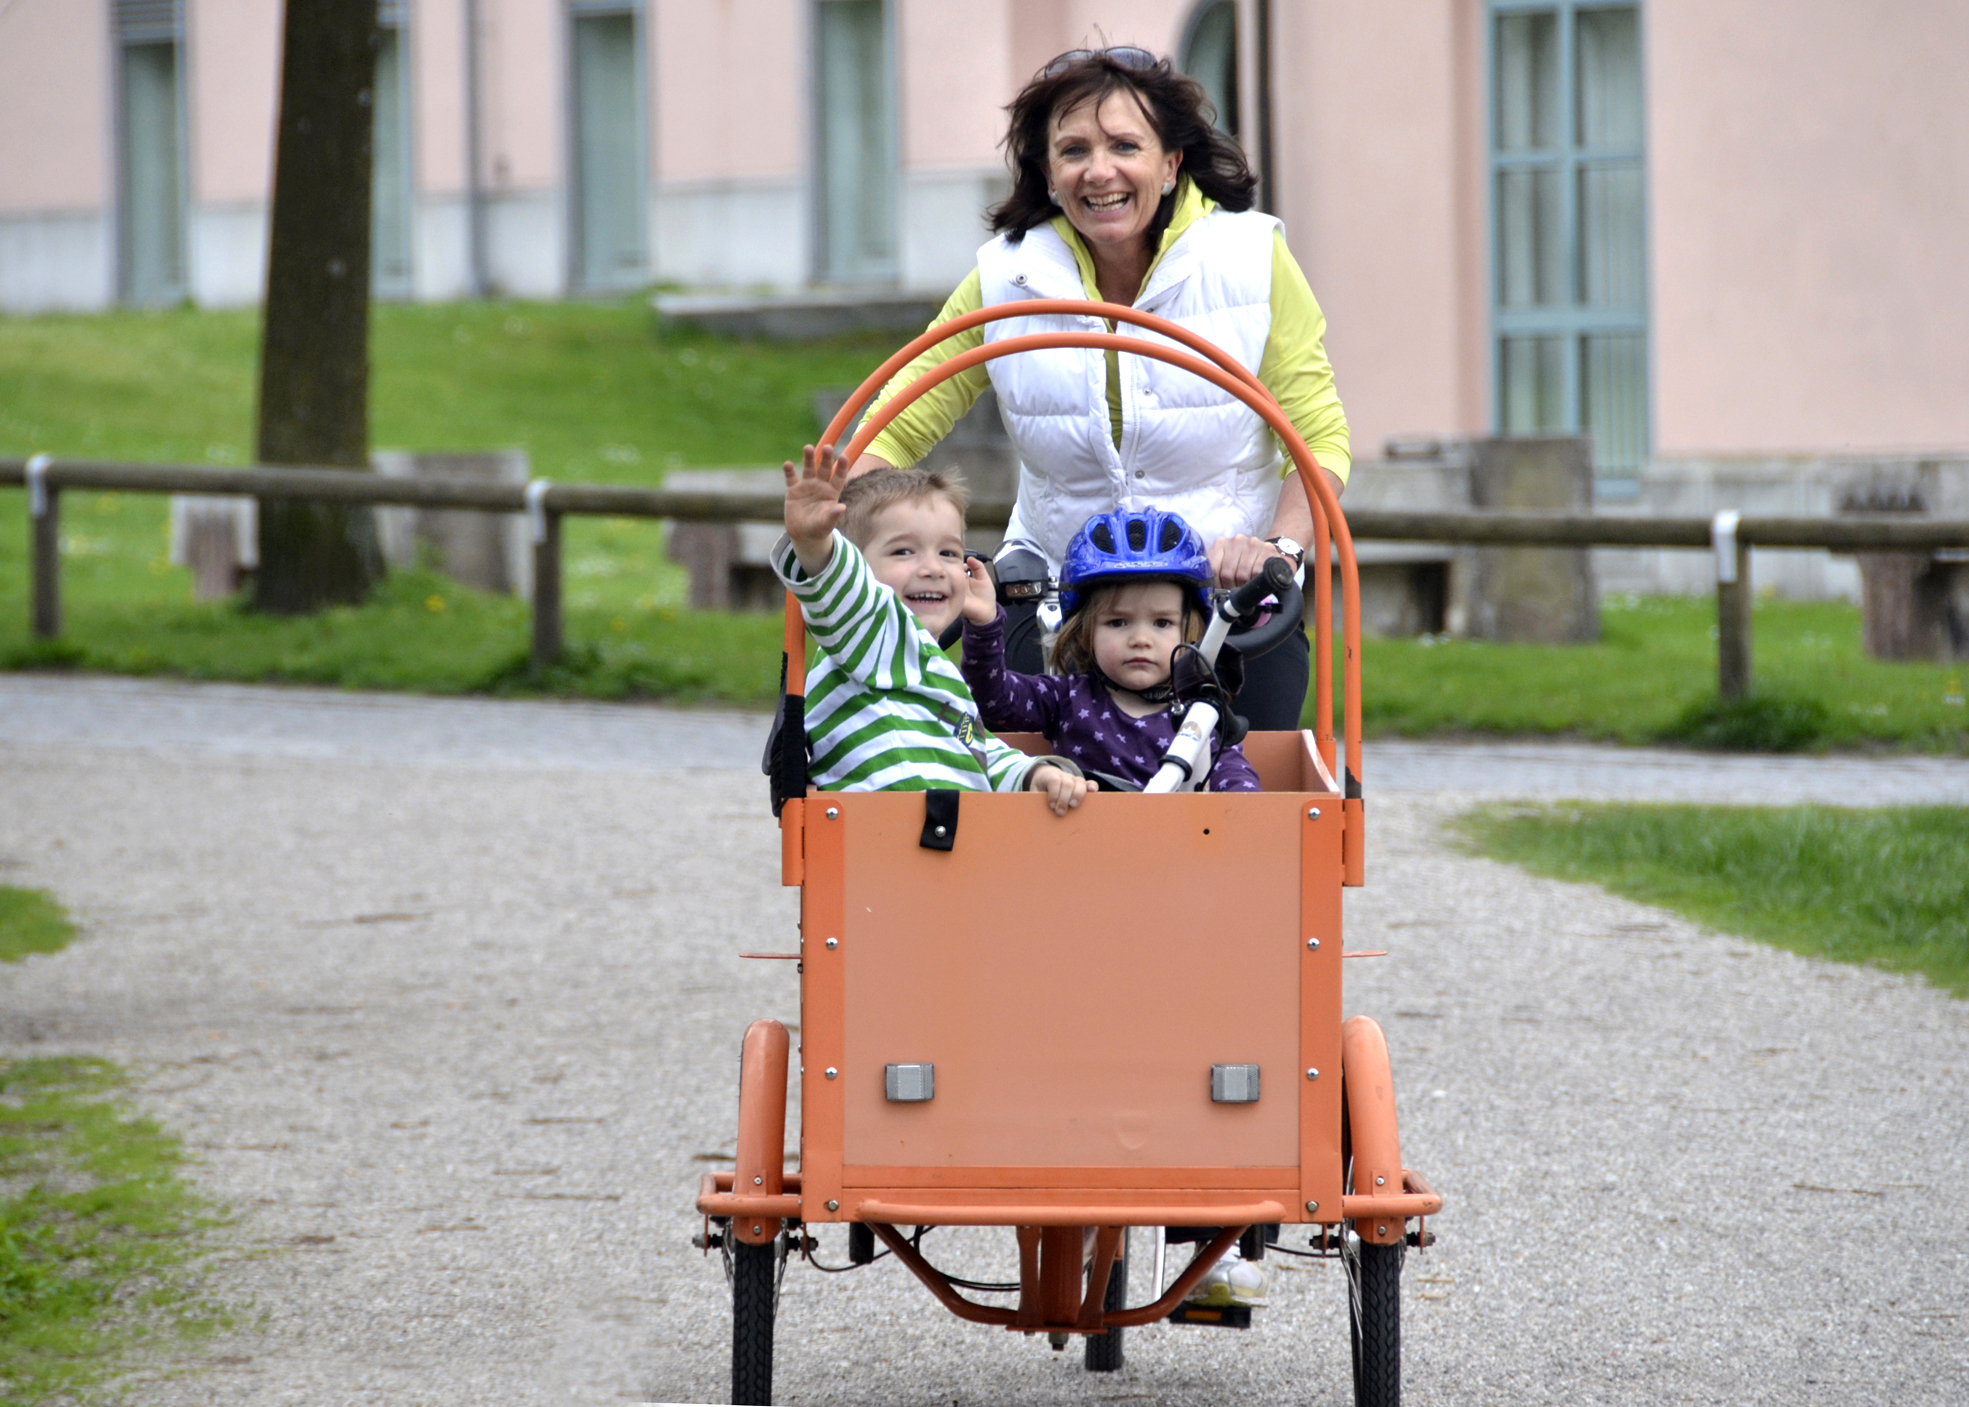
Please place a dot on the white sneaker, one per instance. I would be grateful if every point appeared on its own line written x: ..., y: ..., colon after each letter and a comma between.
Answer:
x: 1232, y: 1280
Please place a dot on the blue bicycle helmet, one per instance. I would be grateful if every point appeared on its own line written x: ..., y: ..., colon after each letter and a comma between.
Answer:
x: 1119, y: 545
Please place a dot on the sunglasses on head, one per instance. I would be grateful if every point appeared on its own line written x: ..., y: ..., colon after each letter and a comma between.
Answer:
x: 1127, y: 56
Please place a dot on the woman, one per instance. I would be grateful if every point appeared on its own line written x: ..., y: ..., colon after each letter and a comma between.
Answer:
x: 1124, y: 191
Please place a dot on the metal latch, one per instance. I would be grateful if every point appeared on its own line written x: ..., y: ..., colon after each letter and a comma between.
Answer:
x: 909, y: 1084
x: 1234, y: 1084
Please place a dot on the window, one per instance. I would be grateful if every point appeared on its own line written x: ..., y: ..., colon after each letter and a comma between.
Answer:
x: 150, y: 174
x: 1569, y: 300
x: 1209, y: 55
x: 855, y: 126
x: 608, y: 148
x: 390, y: 196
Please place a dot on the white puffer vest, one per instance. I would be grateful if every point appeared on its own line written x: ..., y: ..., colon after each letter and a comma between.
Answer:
x: 1186, y: 446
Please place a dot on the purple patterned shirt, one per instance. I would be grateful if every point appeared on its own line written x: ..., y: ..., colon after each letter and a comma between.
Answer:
x: 1078, y: 716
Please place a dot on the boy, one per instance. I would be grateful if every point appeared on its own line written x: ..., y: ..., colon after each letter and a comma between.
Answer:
x: 879, y: 569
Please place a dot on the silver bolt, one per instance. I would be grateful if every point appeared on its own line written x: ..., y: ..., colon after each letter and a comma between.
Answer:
x: 758, y: 1182
x: 1313, y: 943
x: 941, y: 831
x: 1380, y: 1182
x: 832, y: 1072
x: 833, y: 1206
x: 1312, y: 1206
x: 1312, y: 813
x: 834, y: 942
x: 1312, y: 1074
x: 833, y: 813
x: 1380, y: 1231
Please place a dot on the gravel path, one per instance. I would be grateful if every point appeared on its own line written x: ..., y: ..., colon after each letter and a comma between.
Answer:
x: 452, y: 1030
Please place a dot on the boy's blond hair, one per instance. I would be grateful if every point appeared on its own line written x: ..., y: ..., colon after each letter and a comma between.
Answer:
x: 866, y: 497
x: 1073, y: 647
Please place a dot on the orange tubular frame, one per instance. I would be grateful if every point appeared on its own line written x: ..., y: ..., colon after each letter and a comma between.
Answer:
x: 1221, y: 370
x: 761, y: 1155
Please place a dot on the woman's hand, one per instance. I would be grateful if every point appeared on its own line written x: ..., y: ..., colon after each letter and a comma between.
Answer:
x: 1063, y: 790
x: 980, y: 594
x: 1237, y: 559
x: 813, y: 505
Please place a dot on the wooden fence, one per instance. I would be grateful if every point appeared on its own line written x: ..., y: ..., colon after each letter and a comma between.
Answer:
x: 1728, y: 535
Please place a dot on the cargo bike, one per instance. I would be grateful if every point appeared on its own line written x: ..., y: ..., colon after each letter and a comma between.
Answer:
x: 1008, y: 1019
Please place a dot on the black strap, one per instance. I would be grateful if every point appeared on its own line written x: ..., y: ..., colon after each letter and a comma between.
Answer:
x: 785, y: 762
x: 940, y: 819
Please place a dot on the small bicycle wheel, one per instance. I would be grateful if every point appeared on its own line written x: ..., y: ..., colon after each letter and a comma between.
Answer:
x: 1374, y: 1319
x: 755, y: 1273
x: 1104, y: 1350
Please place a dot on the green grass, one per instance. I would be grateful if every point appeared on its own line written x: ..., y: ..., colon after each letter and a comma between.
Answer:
x: 99, y: 1235
x: 595, y: 392
x: 1885, y: 887
x: 1652, y: 678
x: 31, y: 922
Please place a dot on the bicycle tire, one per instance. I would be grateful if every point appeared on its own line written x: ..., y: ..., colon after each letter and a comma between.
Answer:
x: 755, y: 1269
x: 1375, y: 1325
x: 1104, y: 1351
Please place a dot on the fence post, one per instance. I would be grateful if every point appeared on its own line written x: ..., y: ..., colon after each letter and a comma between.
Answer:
x: 1733, y: 601
x: 546, y: 532
x: 44, y: 517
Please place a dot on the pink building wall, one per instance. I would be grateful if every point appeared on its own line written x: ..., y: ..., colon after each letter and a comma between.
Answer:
x: 1807, y: 163
x: 53, y: 66
x: 437, y: 81
x: 1809, y: 189
x: 231, y: 68
x: 730, y: 91
x: 1370, y: 171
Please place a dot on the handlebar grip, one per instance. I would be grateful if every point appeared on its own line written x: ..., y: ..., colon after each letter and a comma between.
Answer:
x: 1274, y: 580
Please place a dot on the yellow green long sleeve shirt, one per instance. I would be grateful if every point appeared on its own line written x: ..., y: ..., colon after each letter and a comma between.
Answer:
x: 1294, y: 367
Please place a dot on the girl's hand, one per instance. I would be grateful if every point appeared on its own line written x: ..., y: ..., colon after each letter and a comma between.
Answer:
x: 1063, y: 790
x: 813, y: 504
x: 980, y: 595
x: 1236, y: 559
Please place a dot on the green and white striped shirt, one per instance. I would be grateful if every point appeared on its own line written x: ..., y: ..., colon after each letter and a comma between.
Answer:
x: 886, y: 709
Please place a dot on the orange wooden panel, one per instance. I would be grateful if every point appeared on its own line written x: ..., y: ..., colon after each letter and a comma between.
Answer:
x: 1072, y: 979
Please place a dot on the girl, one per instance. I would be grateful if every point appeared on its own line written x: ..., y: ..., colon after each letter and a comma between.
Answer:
x: 1134, y: 586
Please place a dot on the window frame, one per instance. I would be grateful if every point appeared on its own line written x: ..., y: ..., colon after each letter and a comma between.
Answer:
x: 394, y: 15
x: 1573, y: 320
x: 822, y: 264
x: 580, y: 280
x: 123, y: 36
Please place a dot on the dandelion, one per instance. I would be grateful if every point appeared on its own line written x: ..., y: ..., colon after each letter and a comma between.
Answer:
x: 434, y: 604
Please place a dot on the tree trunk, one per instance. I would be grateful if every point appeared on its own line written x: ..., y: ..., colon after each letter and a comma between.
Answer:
x: 314, y: 348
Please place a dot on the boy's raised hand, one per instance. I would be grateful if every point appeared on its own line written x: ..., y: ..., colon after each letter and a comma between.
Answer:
x: 813, y: 504
x: 980, y: 594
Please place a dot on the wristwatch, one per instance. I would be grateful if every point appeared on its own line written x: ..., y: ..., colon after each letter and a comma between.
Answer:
x: 1291, y: 548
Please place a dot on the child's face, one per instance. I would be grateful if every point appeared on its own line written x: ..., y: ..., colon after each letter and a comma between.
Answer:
x: 917, y: 547
x: 1136, y: 631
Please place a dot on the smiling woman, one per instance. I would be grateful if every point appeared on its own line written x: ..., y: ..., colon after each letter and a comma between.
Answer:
x: 1124, y: 191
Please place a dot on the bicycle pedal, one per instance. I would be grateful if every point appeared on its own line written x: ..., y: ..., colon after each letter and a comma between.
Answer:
x: 1229, y: 1316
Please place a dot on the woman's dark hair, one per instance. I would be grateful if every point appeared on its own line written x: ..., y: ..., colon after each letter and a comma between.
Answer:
x: 1177, y: 108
